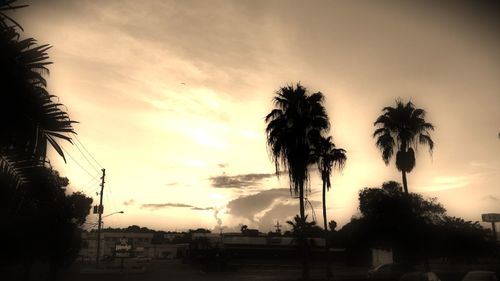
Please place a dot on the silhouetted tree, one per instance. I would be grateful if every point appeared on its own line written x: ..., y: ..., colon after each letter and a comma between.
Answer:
x: 396, y: 220
x: 243, y: 228
x: 308, y: 227
x: 42, y: 222
x: 415, y: 227
x: 332, y: 225
x: 30, y: 118
x: 392, y: 186
x: 461, y: 239
x: 401, y: 129
x: 297, y: 118
x: 327, y: 157
x: 291, y: 127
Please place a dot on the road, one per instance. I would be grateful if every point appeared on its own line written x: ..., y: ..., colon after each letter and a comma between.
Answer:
x: 175, y: 270
x: 244, y: 270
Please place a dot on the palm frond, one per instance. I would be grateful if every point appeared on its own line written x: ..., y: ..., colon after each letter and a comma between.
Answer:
x: 290, y: 125
x: 426, y: 140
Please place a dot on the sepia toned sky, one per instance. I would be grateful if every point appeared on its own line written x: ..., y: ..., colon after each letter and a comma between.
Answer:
x: 171, y: 98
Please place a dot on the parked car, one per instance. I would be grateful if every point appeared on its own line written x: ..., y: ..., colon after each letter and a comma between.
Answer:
x: 391, y: 271
x: 420, y: 276
x: 480, y: 276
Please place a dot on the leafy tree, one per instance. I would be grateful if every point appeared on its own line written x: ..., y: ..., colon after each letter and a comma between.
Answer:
x: 402, y: 129
x: 200, y: 230
x: 392, y: 219
x: 291, y: 127
x: 392, y: 186
x: 388, y: 203
x: 243, y: 228
x: 43, y: 223
x: 78, y: 205
x: 461, y: 239
x: 332, y: 225
x: 415, y: 227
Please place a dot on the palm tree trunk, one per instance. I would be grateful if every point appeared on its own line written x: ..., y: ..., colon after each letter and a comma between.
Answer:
x: 327, y: 252
x: 324, y: 208
x: 302, y: 238
x: 301, y: 199
x: 405, y: 183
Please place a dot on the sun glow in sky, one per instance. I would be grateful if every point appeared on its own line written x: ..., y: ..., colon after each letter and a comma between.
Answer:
x: 171, y: 98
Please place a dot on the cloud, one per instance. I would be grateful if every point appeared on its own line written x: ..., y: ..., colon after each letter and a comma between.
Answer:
x: 129, y: 202
x: 201, y: 209
x: 445, y: 183
x: 265, y: 208
x: 248, y: 206
x: 280, y: 212
x: 157, y: 206
x: 238, y: 181
x: 490, y: 197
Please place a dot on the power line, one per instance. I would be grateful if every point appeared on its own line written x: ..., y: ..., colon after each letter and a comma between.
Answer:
x: 78, y: 140
x: 74, y: 160
x: 90, y: 187
x: 89, y: 183
x: 85, y: 157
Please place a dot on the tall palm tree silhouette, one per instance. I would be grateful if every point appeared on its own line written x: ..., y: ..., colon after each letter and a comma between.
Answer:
x: 402, y: 128
x: 291, y: 127
x: 30, y: 118
x: 327, y: 157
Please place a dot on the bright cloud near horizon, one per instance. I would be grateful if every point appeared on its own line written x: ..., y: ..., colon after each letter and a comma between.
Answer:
x: 171, y: 98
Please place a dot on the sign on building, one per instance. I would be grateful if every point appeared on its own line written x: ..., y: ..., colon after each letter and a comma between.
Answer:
x: 123, y: 249
x: 491, y: 217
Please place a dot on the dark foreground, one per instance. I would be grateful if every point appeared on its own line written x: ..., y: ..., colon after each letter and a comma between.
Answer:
x: 243, y: 270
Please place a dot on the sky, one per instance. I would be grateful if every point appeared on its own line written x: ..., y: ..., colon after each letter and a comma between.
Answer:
x: 171, y: 97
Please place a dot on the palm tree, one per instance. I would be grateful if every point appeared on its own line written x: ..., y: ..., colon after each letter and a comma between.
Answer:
x: 328, y: 157
x: 291, y: 127
x: 298, y: 224
x: 402, y: 128
x: 30, y: 118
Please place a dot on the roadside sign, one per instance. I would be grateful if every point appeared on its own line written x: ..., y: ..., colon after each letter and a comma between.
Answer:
x: 123, y: 249
x: 491, y: 217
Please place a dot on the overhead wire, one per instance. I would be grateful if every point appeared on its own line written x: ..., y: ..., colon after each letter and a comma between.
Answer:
x: 90, y: 154
x: 85, y: 157
x: 89, y: 183
x: 74, y: 160
x: 107, y: 191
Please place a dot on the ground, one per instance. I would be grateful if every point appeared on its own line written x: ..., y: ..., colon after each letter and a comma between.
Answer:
x: 244, y: 270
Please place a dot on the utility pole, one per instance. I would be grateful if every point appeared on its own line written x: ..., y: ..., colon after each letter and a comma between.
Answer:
x: 278, y: 229
x: 99, y: 210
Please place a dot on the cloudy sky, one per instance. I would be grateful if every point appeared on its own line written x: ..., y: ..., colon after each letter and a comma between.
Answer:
x: 171, y: 98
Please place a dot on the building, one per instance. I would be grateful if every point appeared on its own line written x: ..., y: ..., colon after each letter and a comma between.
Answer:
x: 237, y: 241
x: 141, y: 245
